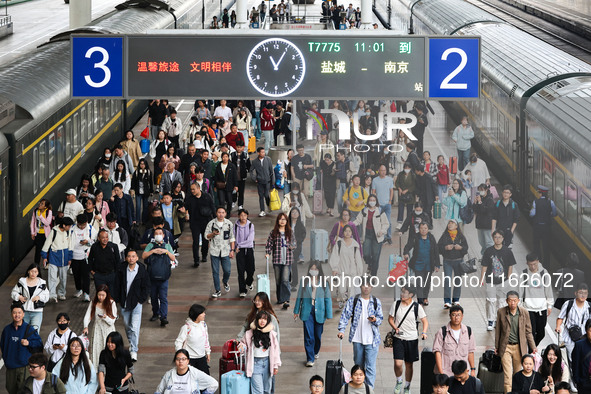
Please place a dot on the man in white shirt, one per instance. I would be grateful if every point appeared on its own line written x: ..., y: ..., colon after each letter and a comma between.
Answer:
x: 70, y: 207
x: 84, y: 236
x: 573, y: 313
x: 223, y: 112
x: 403, y: 316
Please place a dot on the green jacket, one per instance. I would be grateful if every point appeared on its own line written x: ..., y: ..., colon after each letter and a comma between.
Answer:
x: 52, y: 385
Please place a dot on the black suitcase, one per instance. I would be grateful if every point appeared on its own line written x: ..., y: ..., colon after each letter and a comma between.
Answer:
x: 427, y: 368
x: 493, y: 382
x: 333, y: 377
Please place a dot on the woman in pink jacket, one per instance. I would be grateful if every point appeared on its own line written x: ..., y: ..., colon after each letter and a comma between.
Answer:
x: 262, y: 353
x: 40, y: 226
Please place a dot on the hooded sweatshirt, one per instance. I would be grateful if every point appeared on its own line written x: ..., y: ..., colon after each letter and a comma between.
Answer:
x: 244, y: 235
x: 58, y: 249
x: 193, y: 337
x: 535, y: 297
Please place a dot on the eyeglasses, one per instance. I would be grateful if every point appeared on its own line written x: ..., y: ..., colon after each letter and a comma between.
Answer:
x: 181, y: 359
x: 317, y: 386
x: 75, y: 345
x: 34, y: 366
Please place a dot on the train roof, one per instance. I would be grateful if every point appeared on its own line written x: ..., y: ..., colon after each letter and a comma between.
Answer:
x: 518, y: 61
x: 565, y: 108
x: 447, y: 16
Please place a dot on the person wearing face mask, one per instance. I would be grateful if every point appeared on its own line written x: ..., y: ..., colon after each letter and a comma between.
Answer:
x: 484, y: 209
x: 295, y: 199
x: 313, y: 306
x: 374, y: 226
x: 58, y: 339
x: 413, y: 221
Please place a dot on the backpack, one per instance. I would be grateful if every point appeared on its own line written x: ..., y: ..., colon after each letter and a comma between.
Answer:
x: 444, y: 333
x: 466, y: 212
x: 159, y: 266
x: 349, y: 192
x: 32, y: 349
x: 356, y: 299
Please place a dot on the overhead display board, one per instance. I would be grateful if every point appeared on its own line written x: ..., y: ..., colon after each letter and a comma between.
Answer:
x: 295, y: 66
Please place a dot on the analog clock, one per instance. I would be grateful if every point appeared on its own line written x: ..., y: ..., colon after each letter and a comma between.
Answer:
x: 275, y: 67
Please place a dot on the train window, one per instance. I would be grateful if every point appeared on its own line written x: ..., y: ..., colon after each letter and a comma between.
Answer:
x: 586, y: 218
x: 107, y: 113
x: 61, y: 146
x: 547, y: 170
x: 5, y: 199
x: 69, y: 139
x: 101, y: 114
x: 76, y: 132
x: 90, y: 118
x: 42, y: 163
x: 82, y: 125
x: 116, y: 107
x: 572, y: 201
x: 51, y: 155
x: 494, y: 124
x: 35, y: 167
x: 96, y: 116
x: 559, y: 193
x: 500, y: 127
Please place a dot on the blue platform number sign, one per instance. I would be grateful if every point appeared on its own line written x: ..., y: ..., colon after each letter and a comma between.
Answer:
x: 97, y: 67
x: 454, y: 67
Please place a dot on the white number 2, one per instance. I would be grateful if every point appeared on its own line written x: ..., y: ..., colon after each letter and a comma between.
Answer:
x: 100, y: 65
x: 445, y: 83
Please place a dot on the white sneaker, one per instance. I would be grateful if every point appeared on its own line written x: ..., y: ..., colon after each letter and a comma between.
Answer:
x: 240, y: 207
x: 78, y: 294
x: 490, y: 326
x: 309, y: 364
x: 217, y: 294
x: 399, y: 226
x: 233, y: 205
x: 133, y: 356
x: 226, y: 288
x: 316, y: 356
x: 447, y: 305
x: 398, y: 387
x: 86, y: 297
x: 263, y: 213
x: 70, y: 272
x: 242, y: 295
x: 62, y: 298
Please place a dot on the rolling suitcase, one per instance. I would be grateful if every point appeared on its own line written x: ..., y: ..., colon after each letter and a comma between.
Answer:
x: 318, y: 244
x: 492, y: 382
x: 317, y: 208
x: 333, y: 377
x: 252, y: 144
x: 235, y: 381
x: 427, y: 368
x: 437, y: 210
x: 263, y: 283
x: 453, y: 165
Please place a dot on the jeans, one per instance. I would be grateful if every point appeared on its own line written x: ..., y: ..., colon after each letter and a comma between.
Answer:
x: 282, y: 286
x: 341, y: 190
x: 371, y: 252
x: 484, y: 239
x: 442, y: 191
x: 268, y: 139
x: 256, y: 124
x: 449, y: 267
x: 387, y: 210
x: 81, y: 270
x: 260, y: 382
x: 366, y: 355
x: 312, y: 336
x: 215, y: 270
x: 263, y: 190
x: 245, y: 136
x: 154, y: 129
x: 463, y: 159
x: 401, y: 208
x: 159, y: 298
x: 34, y: 318
x: 104, y: 279
x: 198, y: 229
x: 141, y: 207
x: 245, y: 265
x: 57, y: 279
x: 133, y: 321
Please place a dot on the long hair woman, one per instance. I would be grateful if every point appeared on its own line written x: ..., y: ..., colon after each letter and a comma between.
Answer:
x: 103, y: 311
x: 260, y: 302
x: 280, y: 245
x: 32, y: 291
x: 115, y: 366
x: 76, y: 370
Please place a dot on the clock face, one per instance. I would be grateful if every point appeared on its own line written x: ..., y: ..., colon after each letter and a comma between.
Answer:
x: 275, y: 67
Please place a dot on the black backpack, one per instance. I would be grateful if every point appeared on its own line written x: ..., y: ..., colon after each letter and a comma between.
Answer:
x: 32, y: 349
x: 159, y: 265
x: 466, y: 212
x: 356, y: 300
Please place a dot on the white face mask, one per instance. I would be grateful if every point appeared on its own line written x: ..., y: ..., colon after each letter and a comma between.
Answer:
x: 296, y: 192
x: 371, y: 203
x: 159, y: 238
x: 482, y: 193
x: 107, y: 155
x: 314, y: 272
x: 407, y: 170
x: 418, y: 212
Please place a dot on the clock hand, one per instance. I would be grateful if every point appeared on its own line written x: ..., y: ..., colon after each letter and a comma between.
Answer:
x: 273, y: 61
x: 280, y: 59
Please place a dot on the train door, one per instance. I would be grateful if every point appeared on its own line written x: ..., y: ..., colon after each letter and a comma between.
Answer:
x: 515, y: 148
x: 4, y: 213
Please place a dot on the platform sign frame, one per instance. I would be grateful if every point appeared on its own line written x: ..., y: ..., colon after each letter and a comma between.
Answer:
x: 143, y: 77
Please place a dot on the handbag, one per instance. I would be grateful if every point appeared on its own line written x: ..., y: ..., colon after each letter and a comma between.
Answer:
x: 575, y: 333
x: 492, y: 361
x: 220, y: 185
x: 389, y: 339
x: 308, y: 174
x: 406, y: 198
x: 468, y: 267
x: 145, y: 133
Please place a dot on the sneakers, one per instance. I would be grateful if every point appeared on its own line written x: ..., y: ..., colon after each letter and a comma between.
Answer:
x: 407, y: 390
x: 456, y: 303
x: 310, y: 364
x: 154, y: 318
x: 217, y: 294
x: 70, y: 272
x: 226, y: 287
x: 53, y: 299
x: 447, y: 305
x: 78, y: 294
x: 250, y: 288
x: 133, y: 356
x: 399, y: 226
x: 316, y: 356
x: 86, y: 297
x: 240, y: 207
x: 204, y: 259
x: 242, y: 295
x: 398, y: 387
x: 163, y: 322
x: 62, y: 298
x: 490, y: 326
x: 262, y: 213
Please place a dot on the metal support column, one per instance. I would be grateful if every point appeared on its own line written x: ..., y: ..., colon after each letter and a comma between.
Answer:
x: 80, y: 13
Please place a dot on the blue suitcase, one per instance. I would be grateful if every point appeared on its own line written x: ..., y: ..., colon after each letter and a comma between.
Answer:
x: 263, y: 283
x: 145, y: 145
x: 318, y: 245
x: 235, y: 382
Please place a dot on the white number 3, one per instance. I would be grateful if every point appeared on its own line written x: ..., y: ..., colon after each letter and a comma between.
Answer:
x: 100, y: 65
x: 445, y: 83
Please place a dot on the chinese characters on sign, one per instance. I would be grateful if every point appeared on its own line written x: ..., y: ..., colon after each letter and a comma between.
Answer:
x: 213, y: 67
x: 162, y: 67
x: 395, y: 67
x: 405, y: 47
x: 328, y: 67
x: 174, y: 67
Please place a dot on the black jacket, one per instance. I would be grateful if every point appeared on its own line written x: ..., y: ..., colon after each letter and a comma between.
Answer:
x: 231, y: 177
x: 139, y: 290
x: 506, y: 215
x: 244, y: 164
x: 452, y: 254
x: 426, y: 189
x: 104, y: 260
x: 433, y: 251
x: 484, y: 212
x: 413, y: 219
x: 186, y: 161
x: 201, y: 210
x: 123, y: 207
x: 146, y: 178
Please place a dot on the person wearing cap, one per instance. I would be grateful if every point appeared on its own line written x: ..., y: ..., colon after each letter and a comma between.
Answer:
x: 70, y: 207
x: 58, y: 251
x: 542, y: 212
x: 536, y: 297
